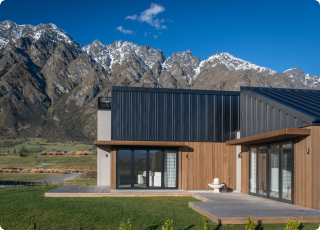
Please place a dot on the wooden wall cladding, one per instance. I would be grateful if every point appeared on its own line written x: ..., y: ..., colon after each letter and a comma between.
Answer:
x: 245, y: 169
x: 306, y: 170
x: 113, y: 168
x: 206, y: 161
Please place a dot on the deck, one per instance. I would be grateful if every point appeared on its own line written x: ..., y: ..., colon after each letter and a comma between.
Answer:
x: 233, y: 208
x: 105, y: 191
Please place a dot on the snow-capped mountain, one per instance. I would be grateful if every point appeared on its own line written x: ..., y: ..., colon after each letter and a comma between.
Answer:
x: 50, y: 81
x: 232, y: 63
x: 117, y: 52
x: 11, y: 32
x: 296, y: 74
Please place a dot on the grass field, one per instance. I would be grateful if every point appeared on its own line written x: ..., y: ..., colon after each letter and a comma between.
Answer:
x: 20, y: 207
x: 88, y: 162
x: 91, y: 181
x: 34, y: 143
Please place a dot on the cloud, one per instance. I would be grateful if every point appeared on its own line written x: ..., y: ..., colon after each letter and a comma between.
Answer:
x: 155, y: 36
x: 122, y: 30
x: 133, y: 17
x: 1, y: 1
x: 149, y: 16
x: 145, y: 34
x: 316, y: 0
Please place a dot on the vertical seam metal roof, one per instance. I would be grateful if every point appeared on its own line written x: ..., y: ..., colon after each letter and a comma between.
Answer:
x: 306, y: 101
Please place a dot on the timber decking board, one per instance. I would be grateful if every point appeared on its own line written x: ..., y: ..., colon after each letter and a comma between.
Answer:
x: 233, y: 208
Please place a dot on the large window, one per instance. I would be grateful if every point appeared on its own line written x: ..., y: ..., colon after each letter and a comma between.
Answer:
x: 147, y: 168
x: 271, y: 171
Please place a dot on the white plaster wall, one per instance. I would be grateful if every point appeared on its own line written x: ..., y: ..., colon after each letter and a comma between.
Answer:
x: 104, y: 156
x: 238, y: 165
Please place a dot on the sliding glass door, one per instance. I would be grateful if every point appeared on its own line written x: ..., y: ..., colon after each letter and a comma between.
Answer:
x: 271, y: 171
x: 147, y: 168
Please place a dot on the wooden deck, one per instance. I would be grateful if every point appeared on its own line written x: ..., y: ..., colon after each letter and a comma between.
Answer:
x: 105, y: 191
x: 233, y: 208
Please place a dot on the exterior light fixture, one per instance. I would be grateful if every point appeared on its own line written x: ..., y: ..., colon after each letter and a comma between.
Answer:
x: 186, y: 155
x: 240, y: 155
x: 308, y: 150
x: 107, y: 155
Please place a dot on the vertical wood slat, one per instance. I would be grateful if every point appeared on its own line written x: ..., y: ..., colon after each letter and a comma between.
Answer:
x: 315, y: 165
x: 245, y: 169
x: 113, y: 168
x: 205, y: 162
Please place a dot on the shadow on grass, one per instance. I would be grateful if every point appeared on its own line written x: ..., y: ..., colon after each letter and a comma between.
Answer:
x: 191, y: 226
x: 154, y: 227
x: 259, y: 227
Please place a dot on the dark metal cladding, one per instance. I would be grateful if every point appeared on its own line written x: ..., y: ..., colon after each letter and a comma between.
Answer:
x: 268, y: 109
x: 152, y: 114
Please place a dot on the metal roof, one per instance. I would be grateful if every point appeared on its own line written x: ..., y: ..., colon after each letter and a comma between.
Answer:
x: 306, y: 101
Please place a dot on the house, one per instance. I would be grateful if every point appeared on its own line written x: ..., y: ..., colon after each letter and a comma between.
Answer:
x: 167, y: 138
x: 259, y: 141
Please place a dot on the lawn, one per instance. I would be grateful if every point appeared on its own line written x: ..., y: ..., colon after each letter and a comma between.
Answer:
x: 26, y: 177
x: 33, y: 143
x: 20, y: 207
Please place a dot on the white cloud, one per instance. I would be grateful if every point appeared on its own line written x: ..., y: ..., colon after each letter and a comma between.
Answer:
x: 133, y: 17
x: 160, y: 33
x: 155, y: 36
x: 318, y: 1
x: 1, y: 1
x: 122, y: 30
x: 145, y: 34
x: 149, y: 16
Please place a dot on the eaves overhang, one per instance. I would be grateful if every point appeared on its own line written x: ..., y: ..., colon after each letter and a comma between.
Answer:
x: 277, y: 135
x: 107, y: 144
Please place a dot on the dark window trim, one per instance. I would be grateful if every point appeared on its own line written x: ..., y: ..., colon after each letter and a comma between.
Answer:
x: 147, y: 167
x: 267, y: 196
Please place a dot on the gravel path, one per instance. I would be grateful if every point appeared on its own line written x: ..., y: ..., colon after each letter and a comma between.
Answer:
x: 58, y: 179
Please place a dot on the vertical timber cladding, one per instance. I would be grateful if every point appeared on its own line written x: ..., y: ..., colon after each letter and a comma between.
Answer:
x: 307, y: 170
x: 150, y: 114
x: 201, y: 162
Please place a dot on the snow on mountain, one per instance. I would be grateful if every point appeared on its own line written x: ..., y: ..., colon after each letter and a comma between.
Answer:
x: 232, y: 63
x: 118, y: 51
x: 296, y: 74
x: 10, y: 31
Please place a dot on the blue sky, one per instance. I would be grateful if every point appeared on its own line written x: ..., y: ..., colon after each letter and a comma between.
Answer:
x: 278, y: 34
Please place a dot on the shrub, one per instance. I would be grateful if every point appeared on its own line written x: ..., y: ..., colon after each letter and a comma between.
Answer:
x: 124, y: 226
x: 205, y: 222
x: 167, y: 225
x: 250, y: 223
x: 293, y: 225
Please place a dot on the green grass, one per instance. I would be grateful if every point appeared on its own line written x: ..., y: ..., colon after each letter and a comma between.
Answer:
x: 21, y: 206
x: 32, y: 143
x: 26, y: 177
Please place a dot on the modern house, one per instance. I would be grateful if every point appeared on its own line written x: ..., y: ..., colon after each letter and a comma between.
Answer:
x: 259, y: 141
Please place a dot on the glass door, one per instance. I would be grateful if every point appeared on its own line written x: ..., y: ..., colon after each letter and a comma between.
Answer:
x: 262, y: 170
x: 274, y: 171
x: 286, y: 171
x: 155, y: 169
x: 147, y: 168
x: 124, y: 168
x: 140, y: 168
x: 253, y: 170
x: 271, y: 171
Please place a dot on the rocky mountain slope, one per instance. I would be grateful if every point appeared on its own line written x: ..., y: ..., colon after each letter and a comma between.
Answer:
x: 49, y: 83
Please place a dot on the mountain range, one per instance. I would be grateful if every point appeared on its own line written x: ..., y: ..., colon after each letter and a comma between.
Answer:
x: 49, y: 83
